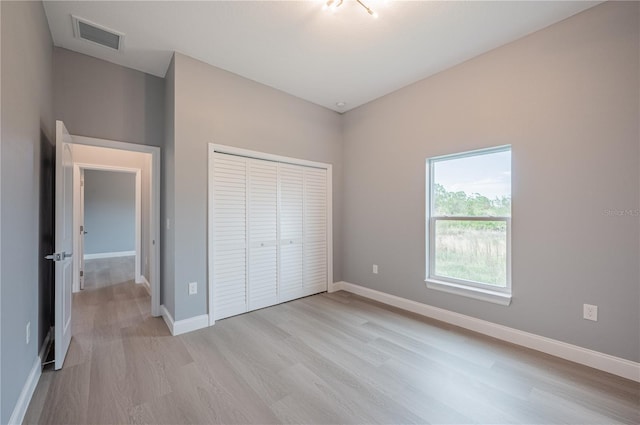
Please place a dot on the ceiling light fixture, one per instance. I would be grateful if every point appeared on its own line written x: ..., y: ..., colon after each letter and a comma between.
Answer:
x: 333, y: 6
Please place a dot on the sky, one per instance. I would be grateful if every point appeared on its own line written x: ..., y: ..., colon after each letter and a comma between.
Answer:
x: 488, y: 175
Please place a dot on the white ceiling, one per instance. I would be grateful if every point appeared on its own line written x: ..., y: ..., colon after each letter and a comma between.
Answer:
x: 298, y: 48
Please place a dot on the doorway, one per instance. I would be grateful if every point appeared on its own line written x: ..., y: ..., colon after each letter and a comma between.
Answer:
x: 110, y: 224
x: 142, y: 164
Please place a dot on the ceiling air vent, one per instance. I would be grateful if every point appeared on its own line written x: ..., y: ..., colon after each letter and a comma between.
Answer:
x: 94, y: 33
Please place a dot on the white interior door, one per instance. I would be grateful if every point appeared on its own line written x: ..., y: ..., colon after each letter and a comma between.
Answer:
x: 291, y: 183
x: 315, y: 231
x: 263, y: 237
x: 230, y: 235
x: 64, y: 243
x: 269, y: 235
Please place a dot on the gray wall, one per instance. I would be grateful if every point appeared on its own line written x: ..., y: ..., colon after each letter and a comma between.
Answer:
x: 167, y: 278
x: 27, y: 112
x: 566, y: 99
x: 212, y: 105
x: 109, y: 211
x: 99, y: 99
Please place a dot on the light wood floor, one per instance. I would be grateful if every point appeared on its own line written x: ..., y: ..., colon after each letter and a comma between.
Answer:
x: 108, y: 271
x: 330, y: 358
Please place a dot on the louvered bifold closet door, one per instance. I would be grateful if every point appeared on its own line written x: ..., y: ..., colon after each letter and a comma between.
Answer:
x: 291, y: 184
x: 230, y: 237
x: 315, y: 231
x: 263, y: 238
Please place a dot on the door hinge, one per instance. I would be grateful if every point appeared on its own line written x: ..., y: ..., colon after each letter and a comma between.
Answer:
x: 81, y: 273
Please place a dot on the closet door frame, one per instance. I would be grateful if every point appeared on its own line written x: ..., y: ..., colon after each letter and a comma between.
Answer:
x: 216, y: 148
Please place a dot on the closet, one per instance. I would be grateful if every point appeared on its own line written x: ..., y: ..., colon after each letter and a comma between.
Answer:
x: 269, y: 232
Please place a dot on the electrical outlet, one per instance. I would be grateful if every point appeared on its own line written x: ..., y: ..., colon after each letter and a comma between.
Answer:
x: 28, y: 332
x: 375, y: 269
x: 590, y: 312
x: 193, y: 288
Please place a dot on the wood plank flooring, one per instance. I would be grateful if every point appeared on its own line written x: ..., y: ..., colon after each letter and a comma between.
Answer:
x: 329, y: 358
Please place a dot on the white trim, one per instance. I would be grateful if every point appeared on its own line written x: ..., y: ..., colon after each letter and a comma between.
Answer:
x: 482, y: 294
x: 145, y: 282
x: 231, y: 150
x: 468, y: 288
x: 138, y: 224
x: 210, y: 232
x: 20, y: 409
x: 335, y: 287
x: 186, y: 325
x: 22, y: 404
x: 154, y: 207
x: 191, y: 324
x: 601, y: 361
x: 109, y: 255
x: 0, y: 223
x: 329, y: 227
x: 213, y: 148
x: 168, y: 318
x: 78, y: 169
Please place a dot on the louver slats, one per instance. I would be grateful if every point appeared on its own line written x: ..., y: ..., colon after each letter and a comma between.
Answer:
x: 270, y: 233
x: 230, y: 236
x: 291, y: 231
x: 263, y: 219
x: 315, y: 230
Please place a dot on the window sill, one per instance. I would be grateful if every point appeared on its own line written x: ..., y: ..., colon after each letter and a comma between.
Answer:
x: 466, y: 291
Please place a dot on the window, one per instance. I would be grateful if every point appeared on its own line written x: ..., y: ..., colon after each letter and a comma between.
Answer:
x: 469, y: 224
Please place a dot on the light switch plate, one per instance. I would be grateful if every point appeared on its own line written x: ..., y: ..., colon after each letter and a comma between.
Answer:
x: 193, y: 288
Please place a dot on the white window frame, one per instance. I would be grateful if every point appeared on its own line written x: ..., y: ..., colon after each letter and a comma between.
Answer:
x: 468, y: 288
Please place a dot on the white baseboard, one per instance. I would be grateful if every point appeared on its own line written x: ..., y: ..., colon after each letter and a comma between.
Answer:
x: 333, y: 287
x: 186, y: 325
x: 168, y: 318
x: 20, y: 409
x: 143, y: 281
x: 605, y: 362
x: 109, y: 255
